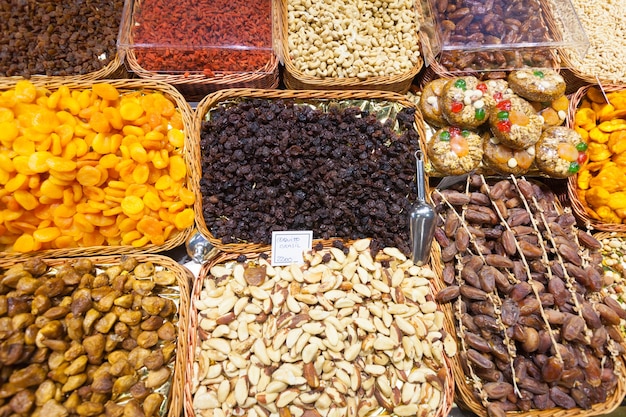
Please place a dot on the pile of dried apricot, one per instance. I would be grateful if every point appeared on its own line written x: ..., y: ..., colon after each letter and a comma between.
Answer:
x: 602, y: 182
x: 90, y: 166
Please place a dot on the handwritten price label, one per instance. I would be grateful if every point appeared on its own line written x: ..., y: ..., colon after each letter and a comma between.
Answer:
x: 288, y: 246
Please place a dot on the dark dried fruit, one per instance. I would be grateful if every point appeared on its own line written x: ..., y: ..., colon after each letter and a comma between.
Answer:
x: 472, y: 293
x: 477, y: 342
x: 448, y: 294
x: 273, y: 164
x: 63, y: 38
x: 510, y: 312
x: 508, y: 242
x: 498, y: 261
x: 498, y: 390
x: 479, y: 359
x: 561, y: 399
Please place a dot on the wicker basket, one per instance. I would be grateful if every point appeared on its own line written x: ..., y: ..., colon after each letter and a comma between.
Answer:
x: 214, y: 99
x: 183, y: 278
x: 297, y: 80
x: 171, y: 93
x: 446, y: 401
x: 465, y: 395
x: 194, y: 86
x: 578, y: 207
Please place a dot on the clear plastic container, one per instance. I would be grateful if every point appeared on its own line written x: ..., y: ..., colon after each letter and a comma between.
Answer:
x: 496, y: 35
x: 199, y: 36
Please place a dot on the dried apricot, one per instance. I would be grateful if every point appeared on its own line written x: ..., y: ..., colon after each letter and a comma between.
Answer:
x: 184, y: 219
x: 84, y: 166
x: 131, y: 111
x: 88, y: 175
x: 106, y: 91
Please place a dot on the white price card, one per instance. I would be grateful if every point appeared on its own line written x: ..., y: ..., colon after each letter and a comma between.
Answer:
x: 288, y: 246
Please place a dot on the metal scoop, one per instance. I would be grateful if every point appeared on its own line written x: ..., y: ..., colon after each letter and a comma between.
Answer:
x: 422, y: 220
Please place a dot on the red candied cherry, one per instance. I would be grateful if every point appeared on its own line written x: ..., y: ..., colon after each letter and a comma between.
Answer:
x: 582, y: 158
x: 504, y: 126
x: 504, y: 105
x: 454, y: 131
x: 456, y: 106
x: 482, y: 87
x: 497, y: 96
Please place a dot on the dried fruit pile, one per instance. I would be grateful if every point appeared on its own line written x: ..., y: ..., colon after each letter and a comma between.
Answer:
x: 279, y: 165
x: 89, y: 167
x: 354, y: 330
x: 535, y: 328
x: 49, y: 37
x: 84, y: 339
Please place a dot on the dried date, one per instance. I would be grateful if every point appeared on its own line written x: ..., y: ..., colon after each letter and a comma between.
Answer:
x: 527, y: 306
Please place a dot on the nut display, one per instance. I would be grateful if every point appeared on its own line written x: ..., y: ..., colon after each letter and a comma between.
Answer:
x: 281, y: 165
x: 535, y: 328
x: 80, y: 339
x: 351, y: 332
x: 361, y: 39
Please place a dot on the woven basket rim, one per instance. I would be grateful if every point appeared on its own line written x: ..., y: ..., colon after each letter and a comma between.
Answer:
x: 183, y: 279
x: 219, y: 257
x: 214, y: 98
x: 178, y: 237
x: 578, y: 208
x: 108, y: 71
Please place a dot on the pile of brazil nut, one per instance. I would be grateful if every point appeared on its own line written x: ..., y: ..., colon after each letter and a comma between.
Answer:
x: 536, y: 329
x: 80, y: 339
x: 350, y: 332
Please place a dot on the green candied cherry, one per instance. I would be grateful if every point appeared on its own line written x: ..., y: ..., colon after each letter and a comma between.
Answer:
x: 460, y: 83
x: 480, y: 114
x: 538, y: 73
x: 444, y: 136
x: 573, y: 167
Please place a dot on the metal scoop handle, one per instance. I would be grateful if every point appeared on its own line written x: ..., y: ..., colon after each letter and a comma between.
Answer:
x: 421, y: 217
x: 420, y: 178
